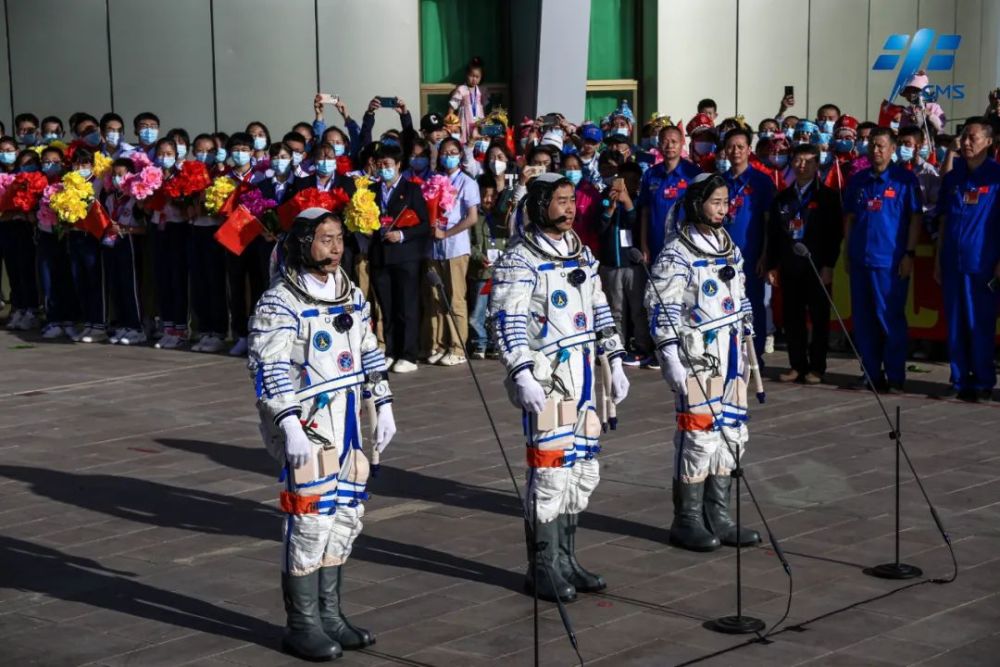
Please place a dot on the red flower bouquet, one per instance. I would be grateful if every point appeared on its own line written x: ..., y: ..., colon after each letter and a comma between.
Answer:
x: 334, y: 200
x: 24, y: 192
x: 191, y: 179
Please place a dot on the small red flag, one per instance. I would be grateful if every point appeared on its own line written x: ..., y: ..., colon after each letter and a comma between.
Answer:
x: 239, y: 230
x: 96, y: 222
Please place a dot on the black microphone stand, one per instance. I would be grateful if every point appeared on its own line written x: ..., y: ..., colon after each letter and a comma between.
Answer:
x: 895, y: 569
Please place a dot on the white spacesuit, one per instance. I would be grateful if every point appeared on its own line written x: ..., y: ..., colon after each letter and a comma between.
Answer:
x: 701, y: 321
x: 315, y: 360
x: 550, y: 320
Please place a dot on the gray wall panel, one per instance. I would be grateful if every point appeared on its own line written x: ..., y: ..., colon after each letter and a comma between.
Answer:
x: 6, y: 114
x: 59, y: 54
x: 562, y: 63
x: 939, y: 15
x: 887, y: 17
x: 369, y: 48
x: 167, y: 70
x: 968, y: 60
x: 265, y: 56
x: 772, y: 54
x: 838, y: 58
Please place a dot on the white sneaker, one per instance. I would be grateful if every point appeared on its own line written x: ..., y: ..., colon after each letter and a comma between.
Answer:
x: 239, y: 349
x: 83, y: 332
x: 478, y: 354
x: 94, y: 336
x: 451, y: 360
x: 14, y: 321
x: 211, y: 344
x: 389, y: 361
x: 435, y: 357
x: 29, y: 322
x: 52, y: 331
x: 116, y: 337
x: 171, y: 340
x: 404, y: 366
x: 132, y: 337
x: 769, y: 344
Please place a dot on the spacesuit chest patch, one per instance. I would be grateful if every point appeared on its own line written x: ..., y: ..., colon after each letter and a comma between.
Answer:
x: 559, y: 299
x: 580, y: 321
x: 322, y: 341
x: 345, y: 361
x: 710, y: 287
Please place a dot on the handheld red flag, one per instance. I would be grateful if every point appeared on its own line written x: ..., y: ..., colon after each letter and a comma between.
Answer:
x: 239, y: 230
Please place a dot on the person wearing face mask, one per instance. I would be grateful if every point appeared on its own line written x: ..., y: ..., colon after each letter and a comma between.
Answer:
x: 397, y: 252
x: 489, y: 239
x: 662, y: 186
x: 590, y: 143
x: 751, y: 193
x: 220, y: 167
x: 861, y: 162
x: 261, y: 137
x: 86, y: 264
x: 318, y: 128
x: 449, y: 256
x: 883, y: 217
x: 452, y: 125
x: 147, y: 130
x: 913, y: 154
x: 112, y: 133
x: 183, y: 142
x: 587, y: 224
x: 26, y: 129
x: 203, y: 150
x: 829, y: 167
x: 419, y: 165
x: 843, y: 145
x: 405, y: 134
x: 123, y: 252
x: 500, y: 167
x: 927, y: 116
x: 538, y: 160
x: 433, y: 132
x: 551, y: 322
x: 86, y: 130
x: 53, y: 264
x: 171, y: 251
x: 776, y: 159
x: 52, y: 130
x: 768, y: 128
x: 701, y: 269
x: 808, y: 212
x: 301, y: 164
x: 17, y: 232
x: 341, y: 144
x: 704, y: 139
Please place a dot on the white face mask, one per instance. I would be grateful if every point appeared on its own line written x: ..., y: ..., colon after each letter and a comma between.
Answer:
x: 499, y: 167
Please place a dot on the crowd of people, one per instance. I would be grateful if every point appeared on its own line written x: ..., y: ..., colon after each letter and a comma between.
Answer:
x: 449, y: 195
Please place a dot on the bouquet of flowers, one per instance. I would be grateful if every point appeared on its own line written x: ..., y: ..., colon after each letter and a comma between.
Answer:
x: 72, y: 203
x: 218, y: 193
x: 261, y: 208
x: 334, y: 200
x: 46, y: 217
x: 6, y: 180
x: 146, y: 180
x: 362, y: 214
x: 440, y: 196
x: 191, y: 179
x: 102, y: 165
x: 24, y: 192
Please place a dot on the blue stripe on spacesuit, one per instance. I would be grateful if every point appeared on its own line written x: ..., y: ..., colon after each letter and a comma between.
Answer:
x: 351, y: 440
x: 733, y: 369
x: 588, y: 379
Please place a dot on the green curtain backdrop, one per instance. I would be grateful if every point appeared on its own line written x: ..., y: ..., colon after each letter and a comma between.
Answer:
x: 453, y: 31
x: 611, y: 53
x: 600, y: 103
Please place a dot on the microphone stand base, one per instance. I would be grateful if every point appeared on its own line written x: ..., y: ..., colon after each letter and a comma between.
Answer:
x: 735, y: 625
x: 894, y: 571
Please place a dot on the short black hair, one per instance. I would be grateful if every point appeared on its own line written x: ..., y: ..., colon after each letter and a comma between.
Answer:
x: 267, y: 132
x: 180, y: 132
x: 293, y: 136
x: 883, y: 132
x: 52, y: 119
x: 738, y: 132
x: 110, y: 116
x: 83, y: 155
x: 828, y: 105
x: 164, y: 141
x: 124, y: 162
x: 911, y: 131
x: 983, y: 122
x: 767, y: 120
x: 25, y: 118
x: 79, y: 118
x: 805, y: 149
x: 486, y: 181
x: 610, y: 156
x: 389, y: 152
x: 867, y: 125
x: 54, y: 149
x: 668, y: 128
x: 239, y: 139
x: 707, y: 103
x: 145, y: 115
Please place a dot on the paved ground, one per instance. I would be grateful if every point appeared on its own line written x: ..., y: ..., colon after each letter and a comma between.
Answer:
x: 138, y: 526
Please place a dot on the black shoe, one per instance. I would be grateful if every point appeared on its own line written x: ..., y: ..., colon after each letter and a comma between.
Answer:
x: 334, y: 623
x: 304, y: 636
x: 717, y: 514
x: 984, y: 396
x: 688, y: 530
x: 582, y: 580
x: 546, y: 575
x: 893, y: 388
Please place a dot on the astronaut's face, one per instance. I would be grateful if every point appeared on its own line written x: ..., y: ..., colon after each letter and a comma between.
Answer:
x: 563, y: 206
x: 328, y: 244
x: 716, y: 206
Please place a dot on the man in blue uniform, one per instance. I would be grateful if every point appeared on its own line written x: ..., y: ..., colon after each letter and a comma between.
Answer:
x: 883, y: 214
x: 662, y: 185
x: 969, y: 261
x: 750, y: 195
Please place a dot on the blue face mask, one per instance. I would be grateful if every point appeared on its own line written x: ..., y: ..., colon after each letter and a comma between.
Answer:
x: 166, y: 161
x: 825, y: 157
x: 779, y: 161
x: 703, y: 147
x: 220, y: 155
x: 894, y: 124
x: 942, y: 154
x: 325, y: 167
x: 30, y: 168
x: 620, y: 131
x: 387, y: 174
x: 281, y: 165
x: 573, y: 175
x: 50, y: 168
x: 450, y: 162
x: 117, y: 181
x: 419, y: 163
x: 148, y: 135
x: 766, y: 134
x: 825, y: 126
x: 28, y: 139
x: 8, y: 157
x: 241, y: 158
x: 722, y: 165
x: 182, y: 151
x: 297, y: 158
x: 339, y: 149
x: 905, y: 153
x: 648, y: 143
x: 112, y: 138
x: 50, y: 137
x: 92, y: 138
x: 824, y: 138
x: 84, y: 172
x: 259, y: 143
x: 842, y: 145
x: 924, y: 152
x: 482, y: 146
x: 390, y: 141
x: 204, y: 157
x: 862, y: 147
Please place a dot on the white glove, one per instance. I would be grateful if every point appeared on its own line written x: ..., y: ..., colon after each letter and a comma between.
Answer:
x: 385, y: 427
x: 672, y: 370
x: 619, y: 383
x: 298, y: 448
x: 530, y: 394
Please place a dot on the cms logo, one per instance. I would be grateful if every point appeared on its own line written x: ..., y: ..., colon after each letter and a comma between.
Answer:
x: 909, y: 55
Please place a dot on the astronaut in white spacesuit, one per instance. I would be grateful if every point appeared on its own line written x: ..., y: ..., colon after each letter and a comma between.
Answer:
x: 315, y: 360
x: 550, y: 320
x: 701, y: 321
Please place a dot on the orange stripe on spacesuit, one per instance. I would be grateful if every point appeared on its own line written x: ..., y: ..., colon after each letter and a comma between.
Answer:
x: 687, y: 421
x: 545, y: 458
x: 293, y: 503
